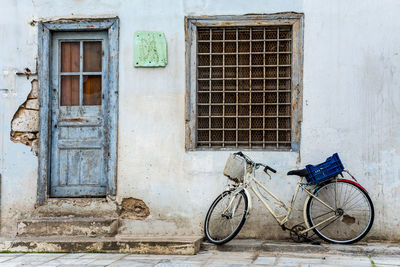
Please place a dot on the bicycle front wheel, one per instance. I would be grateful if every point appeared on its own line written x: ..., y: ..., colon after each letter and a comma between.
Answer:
x: 350, y: 218
x: 226, y: 217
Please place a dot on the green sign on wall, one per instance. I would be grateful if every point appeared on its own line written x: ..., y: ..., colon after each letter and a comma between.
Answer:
x: 150, y: 49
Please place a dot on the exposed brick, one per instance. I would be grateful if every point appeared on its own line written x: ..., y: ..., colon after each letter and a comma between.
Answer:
x: 132, y: 208
x: 25, y: 123
x: 35, y: 90
x: 32, y: 104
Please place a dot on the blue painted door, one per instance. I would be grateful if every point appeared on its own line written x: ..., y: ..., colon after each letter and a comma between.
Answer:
x: 78, y: 108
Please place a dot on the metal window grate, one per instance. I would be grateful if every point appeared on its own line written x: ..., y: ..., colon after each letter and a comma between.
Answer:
x: 244, y: 87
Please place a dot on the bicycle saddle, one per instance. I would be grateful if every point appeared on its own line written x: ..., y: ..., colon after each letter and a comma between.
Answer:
x: 302, y: 173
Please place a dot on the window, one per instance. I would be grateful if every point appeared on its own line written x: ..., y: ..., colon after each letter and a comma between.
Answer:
x: 242, y: 79
x: 81, y: 73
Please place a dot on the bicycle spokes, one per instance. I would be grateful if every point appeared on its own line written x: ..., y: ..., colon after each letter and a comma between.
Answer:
x: 226, y: 217
x: 353, y: 215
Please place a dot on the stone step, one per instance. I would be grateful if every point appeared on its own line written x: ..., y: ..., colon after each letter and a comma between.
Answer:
x: 77, y: 207
x: 181, y: 245
x: 360, y: 248
x: 67, y: 226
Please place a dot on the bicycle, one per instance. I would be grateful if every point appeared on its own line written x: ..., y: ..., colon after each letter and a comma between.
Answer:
x: 337, y: 210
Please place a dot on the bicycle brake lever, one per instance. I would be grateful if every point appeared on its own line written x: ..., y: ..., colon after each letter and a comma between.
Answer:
x: 269, y: 168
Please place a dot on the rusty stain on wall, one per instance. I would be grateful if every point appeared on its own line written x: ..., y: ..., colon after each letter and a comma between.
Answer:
x: 132, y: 208
x: 25, y: 122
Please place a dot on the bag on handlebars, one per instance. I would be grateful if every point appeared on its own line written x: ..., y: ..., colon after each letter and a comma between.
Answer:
x: 234, y: 168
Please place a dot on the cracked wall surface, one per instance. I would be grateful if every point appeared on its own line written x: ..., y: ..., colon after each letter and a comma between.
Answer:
x: 134, y: 209
x: 25, y: 122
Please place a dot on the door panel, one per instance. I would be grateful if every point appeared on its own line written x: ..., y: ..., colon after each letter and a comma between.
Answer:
x: 80, y: 166
x: 79, y: 85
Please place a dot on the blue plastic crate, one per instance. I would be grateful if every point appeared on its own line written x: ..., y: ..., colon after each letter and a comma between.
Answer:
x: 321, y: 172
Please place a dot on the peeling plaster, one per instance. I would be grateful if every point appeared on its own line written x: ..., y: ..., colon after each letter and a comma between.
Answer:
x: 135, y: 209
x: 25, y: 122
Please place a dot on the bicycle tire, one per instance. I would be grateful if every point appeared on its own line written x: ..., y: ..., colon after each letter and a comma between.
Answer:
x: 349, y: 227
x: 221, y: 234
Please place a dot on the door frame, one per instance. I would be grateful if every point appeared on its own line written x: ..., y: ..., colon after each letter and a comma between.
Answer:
x: 45, y: 30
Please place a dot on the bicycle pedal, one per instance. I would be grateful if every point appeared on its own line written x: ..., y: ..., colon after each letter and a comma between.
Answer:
x: 317, y: 243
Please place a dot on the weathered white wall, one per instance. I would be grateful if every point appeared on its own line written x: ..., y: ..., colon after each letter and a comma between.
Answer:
x: 351, y: 90
x: 351, y: 86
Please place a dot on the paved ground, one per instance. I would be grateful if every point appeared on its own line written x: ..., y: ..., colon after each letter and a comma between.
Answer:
x: 203, y: 258
x: 239, y: 252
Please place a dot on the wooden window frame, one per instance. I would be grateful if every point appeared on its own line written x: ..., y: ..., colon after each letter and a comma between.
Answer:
x: 295, y: 20
x: 45, y: 30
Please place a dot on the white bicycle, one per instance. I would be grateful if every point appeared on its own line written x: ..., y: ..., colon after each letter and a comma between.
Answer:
x: 337, y: 210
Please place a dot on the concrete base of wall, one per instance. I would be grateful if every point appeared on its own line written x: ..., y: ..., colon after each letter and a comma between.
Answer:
x: 67, y: 226
x: 184, y: 245
x: 360, y: 248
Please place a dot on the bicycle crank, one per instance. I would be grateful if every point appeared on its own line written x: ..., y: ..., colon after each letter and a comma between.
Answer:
x: 296, y: 236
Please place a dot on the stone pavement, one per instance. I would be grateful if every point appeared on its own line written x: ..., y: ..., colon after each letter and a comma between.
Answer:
x: 237, y: 253
x: 203, y: 258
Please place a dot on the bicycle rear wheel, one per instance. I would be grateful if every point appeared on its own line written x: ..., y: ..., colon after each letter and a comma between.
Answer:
x: 226, y: 217
x: 353, y: 212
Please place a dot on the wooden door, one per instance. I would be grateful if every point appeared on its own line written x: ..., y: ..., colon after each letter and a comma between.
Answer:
x: 78, y: 105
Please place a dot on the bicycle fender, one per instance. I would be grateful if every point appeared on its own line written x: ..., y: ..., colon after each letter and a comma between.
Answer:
x: 354, y: 183
x: 305, y: 211
x: 246, y: 191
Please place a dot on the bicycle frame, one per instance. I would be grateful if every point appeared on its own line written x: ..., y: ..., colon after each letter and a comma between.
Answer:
x: 282, y: 218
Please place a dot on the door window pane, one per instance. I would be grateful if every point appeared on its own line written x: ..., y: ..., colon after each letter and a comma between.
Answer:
x: 70, y: 56
x: 91, y: 90
x: 70, y: 90
x: 92, y: 56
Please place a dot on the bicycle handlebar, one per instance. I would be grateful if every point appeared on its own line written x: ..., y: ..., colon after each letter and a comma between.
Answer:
x: 269, y: 168
x: 248, y: 160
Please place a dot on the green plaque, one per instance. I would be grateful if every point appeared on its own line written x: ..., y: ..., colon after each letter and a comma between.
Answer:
x: 150, y: 49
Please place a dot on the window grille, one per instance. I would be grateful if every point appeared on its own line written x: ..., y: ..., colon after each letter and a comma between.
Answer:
x: 244, y: 87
